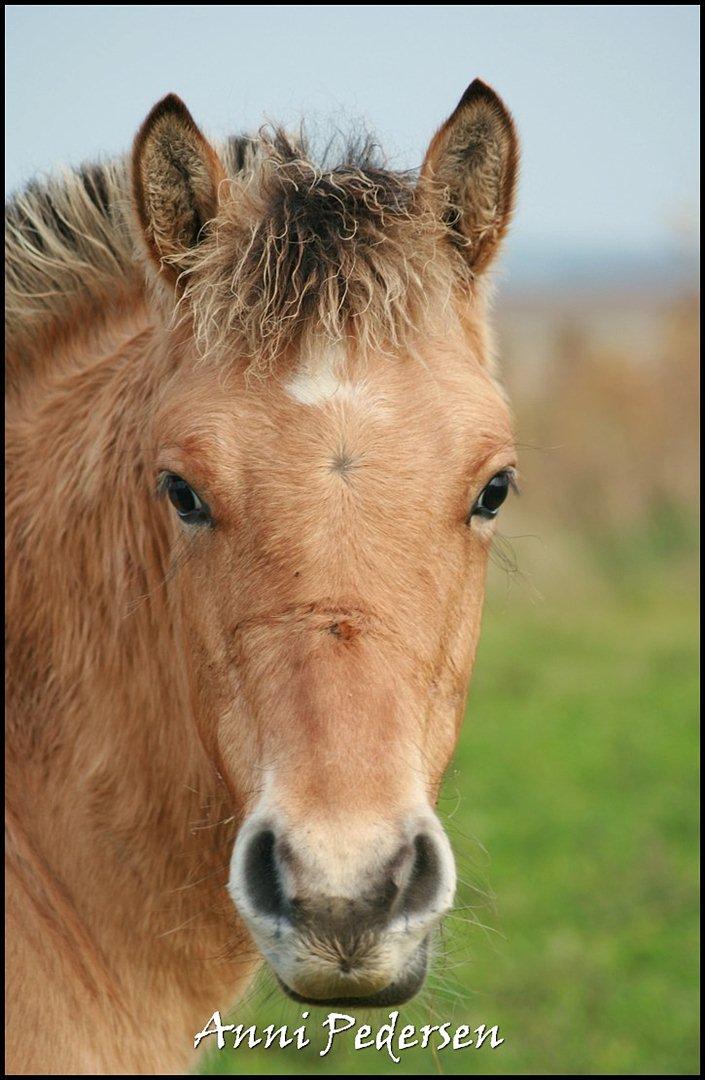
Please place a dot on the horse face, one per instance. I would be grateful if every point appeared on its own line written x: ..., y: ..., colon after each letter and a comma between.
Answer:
x: 331, y: 591
x: 330, y: 529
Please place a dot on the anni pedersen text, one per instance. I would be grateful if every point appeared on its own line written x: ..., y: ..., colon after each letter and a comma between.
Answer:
x: 389, y: 1037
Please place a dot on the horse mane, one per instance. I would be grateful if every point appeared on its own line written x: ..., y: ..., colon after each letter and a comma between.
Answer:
x: 334, y: 243
x: 67, y: 248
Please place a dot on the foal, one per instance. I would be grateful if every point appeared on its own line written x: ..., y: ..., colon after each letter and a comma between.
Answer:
x: 256, y: 451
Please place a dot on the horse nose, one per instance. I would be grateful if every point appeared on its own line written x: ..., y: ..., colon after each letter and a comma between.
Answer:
x: 279, y: 885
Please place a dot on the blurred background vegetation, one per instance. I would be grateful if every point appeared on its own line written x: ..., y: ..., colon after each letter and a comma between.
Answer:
x: 572, y: 800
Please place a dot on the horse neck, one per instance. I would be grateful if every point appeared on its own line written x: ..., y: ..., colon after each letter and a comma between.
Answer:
x: 105, y: 769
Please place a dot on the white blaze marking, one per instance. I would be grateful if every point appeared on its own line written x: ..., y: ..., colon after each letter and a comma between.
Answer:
x: 318, y: 379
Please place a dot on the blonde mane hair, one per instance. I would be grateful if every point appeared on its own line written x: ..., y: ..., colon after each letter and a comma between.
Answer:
x: 335, y: 246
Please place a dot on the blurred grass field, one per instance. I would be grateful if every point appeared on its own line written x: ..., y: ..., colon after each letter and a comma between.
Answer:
x: 572, y: 801
x: 572, y: 806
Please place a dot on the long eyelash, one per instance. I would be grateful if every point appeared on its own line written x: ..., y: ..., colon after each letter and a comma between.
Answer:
x: 513, y: 480
x: 503, y: 555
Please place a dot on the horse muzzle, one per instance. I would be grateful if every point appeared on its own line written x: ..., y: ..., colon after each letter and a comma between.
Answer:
x: 343, y: 916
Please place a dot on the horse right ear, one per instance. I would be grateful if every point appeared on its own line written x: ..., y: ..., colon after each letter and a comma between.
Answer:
x: 472, y: 164
x: 175, y: 178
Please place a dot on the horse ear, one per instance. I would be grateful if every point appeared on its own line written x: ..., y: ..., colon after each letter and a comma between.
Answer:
x: 472, y: 163
x: 175, y: 178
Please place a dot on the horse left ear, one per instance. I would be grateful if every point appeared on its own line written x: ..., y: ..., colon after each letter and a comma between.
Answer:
x: 472, y: 163
x: 175, y: 178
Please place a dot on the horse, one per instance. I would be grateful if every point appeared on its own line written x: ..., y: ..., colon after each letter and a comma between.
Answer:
x: 256, y: 447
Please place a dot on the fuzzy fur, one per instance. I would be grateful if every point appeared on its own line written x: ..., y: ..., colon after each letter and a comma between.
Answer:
x: 156, y: 675
x: 296, y: 248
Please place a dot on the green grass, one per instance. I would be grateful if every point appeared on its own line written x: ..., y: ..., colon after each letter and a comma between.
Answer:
x: 572, y: 806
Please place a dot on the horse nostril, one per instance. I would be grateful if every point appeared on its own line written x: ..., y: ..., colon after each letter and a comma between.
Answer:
x: 262, y: 876
x: 410, y: 885
x: 424, y: 879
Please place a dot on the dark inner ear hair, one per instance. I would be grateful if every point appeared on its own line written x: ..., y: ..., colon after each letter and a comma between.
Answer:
x: 191, y: 232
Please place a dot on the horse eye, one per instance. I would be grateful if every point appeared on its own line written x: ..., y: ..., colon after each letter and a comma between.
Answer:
x: 188, y: 505
x: 492, y: 495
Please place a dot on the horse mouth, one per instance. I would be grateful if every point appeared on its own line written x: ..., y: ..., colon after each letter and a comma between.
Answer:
x: 401, y: 990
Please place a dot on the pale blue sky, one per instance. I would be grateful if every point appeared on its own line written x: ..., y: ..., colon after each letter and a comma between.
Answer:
x: 605, y: 96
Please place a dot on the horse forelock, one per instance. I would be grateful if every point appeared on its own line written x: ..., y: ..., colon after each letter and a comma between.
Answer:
x: 301, y: 249
x: 303, y: 245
